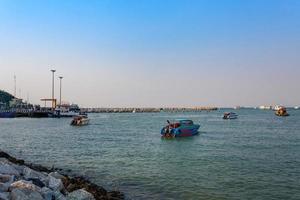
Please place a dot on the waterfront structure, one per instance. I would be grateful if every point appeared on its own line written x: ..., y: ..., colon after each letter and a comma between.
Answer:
x: 60, y: 78
x: 53, y: 103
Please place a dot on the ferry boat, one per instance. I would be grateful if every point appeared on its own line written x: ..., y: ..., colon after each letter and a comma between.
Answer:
x: 180, y: 128
x: 80, y: 120
x: 282, y: 112
x: 230, y: 115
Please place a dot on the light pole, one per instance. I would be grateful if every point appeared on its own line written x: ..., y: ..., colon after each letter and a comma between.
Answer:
x: 60, y: 78
x: 53, y: 70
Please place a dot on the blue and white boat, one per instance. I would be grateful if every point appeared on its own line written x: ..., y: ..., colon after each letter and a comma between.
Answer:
x: 180, y: 128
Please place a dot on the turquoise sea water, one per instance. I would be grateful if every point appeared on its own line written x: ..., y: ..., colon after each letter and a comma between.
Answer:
x: 256, y: 156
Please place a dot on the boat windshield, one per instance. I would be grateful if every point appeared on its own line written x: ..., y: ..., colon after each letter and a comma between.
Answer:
x: 186, y: 122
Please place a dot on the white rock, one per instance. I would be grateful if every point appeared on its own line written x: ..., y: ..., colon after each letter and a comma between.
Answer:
x: 55, y: 184
x: 22, y: 184
x: 80, y: 194
x: 5, y: 181
x: 25, y: 194
x: 6, y: 168
x: 4, y: 195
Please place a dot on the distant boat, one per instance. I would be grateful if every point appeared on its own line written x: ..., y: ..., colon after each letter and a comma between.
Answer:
x: 230, y: 115
x: 265, y: 107
x: 134, y: 111
x: 180, y: 128
x: 296, y: 107
x: 67, y: 110
x: 80, y: 120
x: 282, y: 112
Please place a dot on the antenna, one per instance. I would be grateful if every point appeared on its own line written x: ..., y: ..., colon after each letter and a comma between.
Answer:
x: 15, y: 86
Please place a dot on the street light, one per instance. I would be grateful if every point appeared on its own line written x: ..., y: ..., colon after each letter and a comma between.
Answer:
x: 60, y: 78
x: 53, y: 70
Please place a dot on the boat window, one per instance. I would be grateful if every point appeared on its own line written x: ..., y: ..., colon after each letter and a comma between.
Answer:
x: 187, y: 122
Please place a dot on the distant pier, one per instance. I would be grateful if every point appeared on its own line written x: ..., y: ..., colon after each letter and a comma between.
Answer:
x: 146, y: 110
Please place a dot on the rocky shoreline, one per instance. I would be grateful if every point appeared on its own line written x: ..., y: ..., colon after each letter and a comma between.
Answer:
x: 26, y: 181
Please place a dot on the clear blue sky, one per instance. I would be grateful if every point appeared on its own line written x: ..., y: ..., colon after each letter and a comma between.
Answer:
x: 153, y: 52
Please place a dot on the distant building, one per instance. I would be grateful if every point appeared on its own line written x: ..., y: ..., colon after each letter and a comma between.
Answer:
x: 18, y: 103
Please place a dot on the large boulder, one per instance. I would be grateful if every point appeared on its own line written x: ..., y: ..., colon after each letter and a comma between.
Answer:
x: 6, y: 168
x: 24, y: 185
x: 80, y: 194
x: 58, y: 195
x: 5, y: 181
x: 19, y: 168
x: 47, y: 193
x: 30, y: 174
x: 25, y: 194
x: 55, y: 184
x: 56, y: 175
x: 4, y: 195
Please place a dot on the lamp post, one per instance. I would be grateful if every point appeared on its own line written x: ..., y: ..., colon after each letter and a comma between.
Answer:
x: 60, y: 78
x: 53, y: 70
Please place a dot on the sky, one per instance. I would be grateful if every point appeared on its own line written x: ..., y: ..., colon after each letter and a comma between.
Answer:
x: 152, y: 53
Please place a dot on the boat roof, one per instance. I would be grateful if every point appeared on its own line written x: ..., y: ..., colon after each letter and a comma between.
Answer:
x: 183, y: 120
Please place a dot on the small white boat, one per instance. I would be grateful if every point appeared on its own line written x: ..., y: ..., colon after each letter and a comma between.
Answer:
x: 80, y: 120
x: 296, y: 107
x: 230, y: 115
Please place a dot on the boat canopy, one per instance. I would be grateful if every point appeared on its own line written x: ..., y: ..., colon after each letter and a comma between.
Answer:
x: 185, y: 121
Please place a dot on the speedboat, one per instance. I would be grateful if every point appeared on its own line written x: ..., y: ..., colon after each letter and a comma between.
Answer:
x: 278, y: 107
x: 230, y: 115
x: 80, y: 120
x: 282, y: 112
x: 180, y: 128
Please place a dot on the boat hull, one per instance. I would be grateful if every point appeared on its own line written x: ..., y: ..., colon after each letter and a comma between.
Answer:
x: 7, y: 114
x: 282, y: 115
x: 81, y: 122
x: 180, y: 132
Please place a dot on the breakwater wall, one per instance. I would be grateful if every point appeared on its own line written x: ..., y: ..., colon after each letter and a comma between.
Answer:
x: 146, y: 110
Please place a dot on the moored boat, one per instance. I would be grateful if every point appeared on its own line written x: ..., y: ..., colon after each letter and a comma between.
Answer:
x: 230, y: 115
x: 80, y: 120
x: 282, y: 112
x: 180, y: 128
x: 7, y: 114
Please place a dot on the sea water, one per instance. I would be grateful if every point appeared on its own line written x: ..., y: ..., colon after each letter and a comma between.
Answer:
x: 256, y: 156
